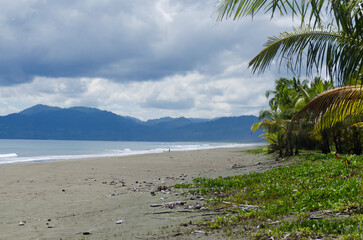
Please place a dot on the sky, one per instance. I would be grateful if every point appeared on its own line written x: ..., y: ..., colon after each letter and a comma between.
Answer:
x: 145, y: 59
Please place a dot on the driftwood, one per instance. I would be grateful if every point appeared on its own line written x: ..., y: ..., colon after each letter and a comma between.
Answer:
x: 235, y: 166
x: 169, y: 204
x: 198, y: 215
x: 166, y: 212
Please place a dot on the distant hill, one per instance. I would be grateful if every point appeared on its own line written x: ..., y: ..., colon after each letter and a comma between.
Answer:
x: 83, y: 123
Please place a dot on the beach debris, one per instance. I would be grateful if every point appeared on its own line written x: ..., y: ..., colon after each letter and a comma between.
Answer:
x: 91, y: 179
x: 112, y: 195
x: 170, y: 205
x: 198, y: 206
x: 22, y: 223
x: 199, y: 231
x: 174, y: 204
x: 120, y: 221
x: 121, y: 182
x: 287, y: 235
x: 247, y: 208
x: 177, y: 234
x: 163, y: 188
x: 167, y: 212
x: 63, y: 190
x: 86, y: 232
x: 152, y: 193
x: 156, y: 205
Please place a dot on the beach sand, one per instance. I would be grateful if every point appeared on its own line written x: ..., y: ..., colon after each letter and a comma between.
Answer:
x: 67, y: 199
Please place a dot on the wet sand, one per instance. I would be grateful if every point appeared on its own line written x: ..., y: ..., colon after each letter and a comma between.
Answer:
x: 78, y: 199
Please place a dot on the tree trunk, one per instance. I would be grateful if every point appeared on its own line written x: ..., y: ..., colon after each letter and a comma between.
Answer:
x: 296, y: 146
x: 357, y: 149
x: 281, y: 153
x: 289, y: 147
x: 337, y: 142
x: 325, y: 142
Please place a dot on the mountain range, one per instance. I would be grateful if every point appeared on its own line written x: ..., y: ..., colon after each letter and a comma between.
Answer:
x: 83, y: 123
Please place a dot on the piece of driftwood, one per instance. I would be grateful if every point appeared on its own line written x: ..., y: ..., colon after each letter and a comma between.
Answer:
x: 169, y: 204
x: 198, y: 215
x: 180, y: 211
x: 235, y: 166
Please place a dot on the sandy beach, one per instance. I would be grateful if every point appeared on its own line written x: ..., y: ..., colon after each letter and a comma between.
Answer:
x: 86, y: 198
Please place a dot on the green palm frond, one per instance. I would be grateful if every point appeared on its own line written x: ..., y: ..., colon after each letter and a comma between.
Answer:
x: 358, y: 125
x: 337, y: 114
x: 317, y: 48
x: 338, y: 48
x: 260, y: 125
x: 236, y: 9
x: 333, y: 106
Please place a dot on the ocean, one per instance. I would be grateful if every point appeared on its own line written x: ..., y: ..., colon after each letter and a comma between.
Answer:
x: 20, y: 151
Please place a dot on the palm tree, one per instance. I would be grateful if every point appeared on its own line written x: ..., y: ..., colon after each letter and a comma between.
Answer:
x: 333, y: 107
x: 287, y: 98
x: 336, y: 44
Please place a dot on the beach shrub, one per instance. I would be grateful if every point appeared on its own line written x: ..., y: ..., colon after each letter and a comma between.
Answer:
x: 316, y: 196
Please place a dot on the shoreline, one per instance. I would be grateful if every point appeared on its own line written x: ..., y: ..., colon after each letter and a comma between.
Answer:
x: 64, y: 199
x: 13, y: 158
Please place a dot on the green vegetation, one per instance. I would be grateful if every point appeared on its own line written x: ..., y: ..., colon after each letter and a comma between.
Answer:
x: 312, y: 196
x: 260, y: 150
x: 289, y: 101
x: 330, y: 38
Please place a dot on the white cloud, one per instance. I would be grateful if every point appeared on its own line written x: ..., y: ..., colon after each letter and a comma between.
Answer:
x: 189, y: 95
x: 144, y: 58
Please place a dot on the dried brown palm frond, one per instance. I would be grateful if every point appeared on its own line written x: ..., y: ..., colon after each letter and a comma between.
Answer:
x: 333, y: 106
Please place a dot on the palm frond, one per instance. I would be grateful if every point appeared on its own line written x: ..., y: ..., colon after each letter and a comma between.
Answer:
x: 339, y: 51
x: 306, y: 10
x: 358, y: 125
x: 333, y: 106
x: 337, y: 114
x: 311, y: 49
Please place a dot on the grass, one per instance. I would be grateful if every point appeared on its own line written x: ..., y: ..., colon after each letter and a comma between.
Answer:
x: 317, y: 196
x: 260, y: 150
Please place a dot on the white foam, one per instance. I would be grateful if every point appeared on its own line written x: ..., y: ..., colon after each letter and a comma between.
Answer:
x: 8, y: 155
x: 14, y: 158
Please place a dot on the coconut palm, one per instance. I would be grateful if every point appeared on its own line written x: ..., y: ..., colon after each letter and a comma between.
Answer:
x: 335, y: 44
x: 343, y: 105
x: 285, y: 100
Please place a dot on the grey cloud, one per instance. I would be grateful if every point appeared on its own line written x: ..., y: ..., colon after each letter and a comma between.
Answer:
x: 119, y: 40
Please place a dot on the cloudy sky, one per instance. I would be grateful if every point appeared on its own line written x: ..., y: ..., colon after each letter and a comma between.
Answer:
x: 140, y: 58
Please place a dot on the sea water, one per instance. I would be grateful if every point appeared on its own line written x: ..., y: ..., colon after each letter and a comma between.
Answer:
x: 18, y: 151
